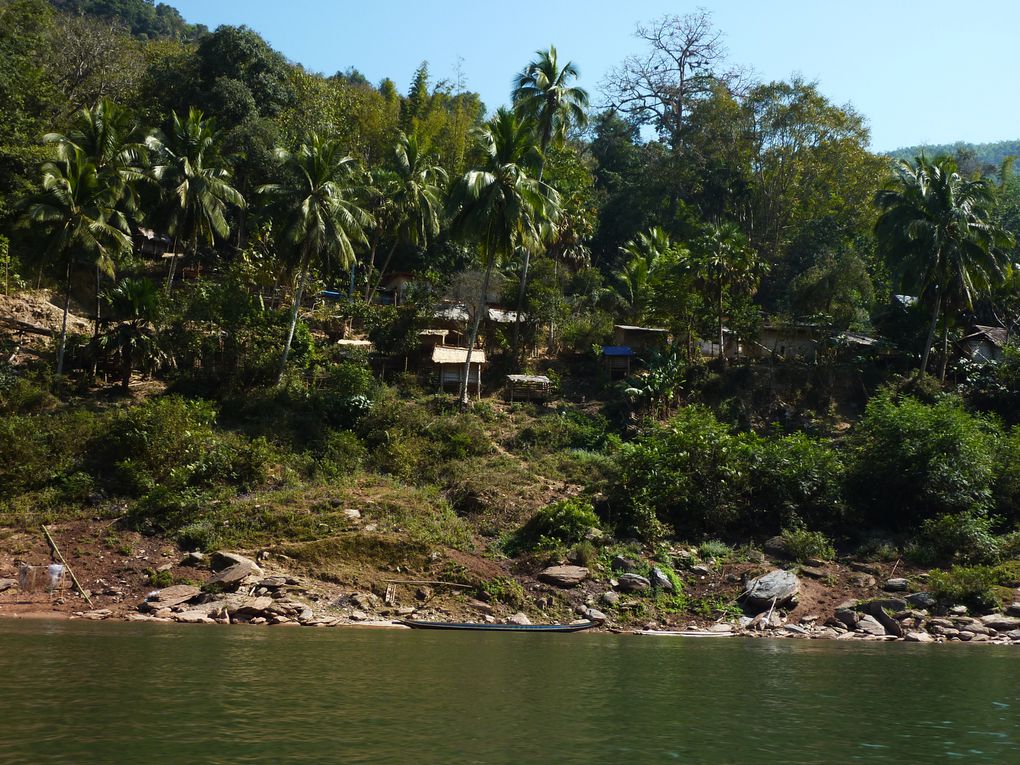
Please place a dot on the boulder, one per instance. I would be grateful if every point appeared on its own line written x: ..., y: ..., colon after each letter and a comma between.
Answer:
x: 564, y: 576
x: 918, y: 637
x: 273, y: 582
x: 254, y: 606
x: 875, y: 610
x: 610, y: 598
x: 866, y: 568
x: 897, y: 584
x: 1013, y: 609
x: 848, y: 617
x: 593, y: 615
x: 232, y: 576
x: 661, y: 581
x: 1000, y: 622
x: 776, y: 546
x: 519, y: 618
x: 870, y: 625
x: 222, y: 560
x: 193, y: 559
x: 198, y: 616
x: 8, y: 584
x: 169, y: 597
x: 632, y: 583
x: 813, y: 572
x: 862, y: 580
x: 700, y: 569
x: 625, y: 565
x: 923, y: 600
x: 778, y: 586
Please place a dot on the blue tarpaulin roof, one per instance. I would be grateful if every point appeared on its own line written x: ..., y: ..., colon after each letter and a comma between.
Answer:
x: 617, y: 350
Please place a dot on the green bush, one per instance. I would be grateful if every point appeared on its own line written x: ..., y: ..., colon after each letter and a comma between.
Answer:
x: 974, y: 587
x: 962, y: 538
x: 803, y: 544
x: 560, y: 524
x: 504, y: 590
x: 343, y: 453
x: 912, y: 461
x: 713, y: 549
x: 568, y: 429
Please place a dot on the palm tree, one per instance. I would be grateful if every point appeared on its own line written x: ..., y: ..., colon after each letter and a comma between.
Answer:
x: 939, y: 230
x: 114, y: 142
x: 136, y: 301
x: 77, y: 214
x: 542, y: 92
x: 320, y: 216
x: 196, y: 181
x: 633, y: 279
x: 413, y: 199
x: 499, y: 205
x: 726, y: 261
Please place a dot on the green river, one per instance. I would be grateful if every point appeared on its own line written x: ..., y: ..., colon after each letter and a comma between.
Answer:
x: 120, y: 693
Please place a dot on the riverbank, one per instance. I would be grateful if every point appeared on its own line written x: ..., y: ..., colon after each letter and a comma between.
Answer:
x: 325, y: 585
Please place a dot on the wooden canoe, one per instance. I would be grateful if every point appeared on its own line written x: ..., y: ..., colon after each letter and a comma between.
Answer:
x: 496, y: 627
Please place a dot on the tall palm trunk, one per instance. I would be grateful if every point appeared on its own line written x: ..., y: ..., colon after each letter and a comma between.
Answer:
x: 719, y: 309
x: 382, y: 270
x: 293, y: 316
x: 173, y: 267
x: 482, y: 306
x: 63, y: 323
x: 95, y: 326
x: 524, y: 276
x: 945, y: 349
x: 931, y: 334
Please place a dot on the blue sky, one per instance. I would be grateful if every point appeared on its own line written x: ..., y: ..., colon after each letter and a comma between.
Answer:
x: 921, y: 72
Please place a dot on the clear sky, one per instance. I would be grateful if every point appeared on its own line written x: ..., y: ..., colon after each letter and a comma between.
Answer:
x: 935, y: 71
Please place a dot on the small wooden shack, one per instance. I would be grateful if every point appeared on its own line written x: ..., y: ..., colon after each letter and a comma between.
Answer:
x: 450, y: 362
x: 640, y: 338
x: 528, y: 387
x: 983, y: 343
x: 617, y: 359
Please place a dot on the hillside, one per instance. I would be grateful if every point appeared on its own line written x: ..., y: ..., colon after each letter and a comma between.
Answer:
x: 982, y: 155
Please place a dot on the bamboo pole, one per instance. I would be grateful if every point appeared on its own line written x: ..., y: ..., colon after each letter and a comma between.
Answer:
x: 74, y: 579
x: 429, y: 582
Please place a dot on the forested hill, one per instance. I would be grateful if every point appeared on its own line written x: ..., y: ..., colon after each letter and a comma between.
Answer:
x: 145, y: 18
x: 981, y: 155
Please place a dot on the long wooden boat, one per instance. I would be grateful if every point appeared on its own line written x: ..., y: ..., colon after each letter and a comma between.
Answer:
x: 496, y: 627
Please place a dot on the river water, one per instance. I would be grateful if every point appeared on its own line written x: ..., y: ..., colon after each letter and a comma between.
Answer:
x: 120, y: 693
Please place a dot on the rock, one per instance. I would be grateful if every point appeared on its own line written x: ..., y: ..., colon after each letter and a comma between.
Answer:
x: 232, y: 576
x: 169, y: 597
x: 862, y: 580
x: 478, y: 605
x: 966, y: 635
x: 519, y: 618
x: 794, y: 629
x: 632, y: 583
x: 866, y: 568
x: 273, y: 582
x: 97, y: 615
x: 1013, y: 634
x: 625, y: 565
x: 254, y: 606
x: 897, y: 584
x: 777, y: 547
x: 922, y: 600
x: 352, y: 514
x: 889, y: 604
x: 660, y: 581
x: 199, y: 616
x: 815, y: 562
x: 720, y: 628
x: 358, y: 616
x: 1013, y: 609
x: 958, y: 610
x: 564, y: 576
x: 700, y: 569
x: 610, y: 598
x: 1000, y: 622
x: 306, y: 616
x: 918, y: 637
x: 366, y: 601
x: 875, y: 610
x: 764, y: 620
x: 8, y: 584
x: 778, y: 586
x: 223, y: 560
x: 594, y: 615
x: 848, y: 617
x: 870, y: 625
x: 258, y: 620
x: 813, y: 572
x: 165, y: 567
x: 193, y: 559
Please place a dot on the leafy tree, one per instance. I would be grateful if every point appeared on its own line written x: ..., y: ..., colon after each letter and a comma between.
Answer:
x: 135, y: 303
x: 320, y: 215
x: 188, y: 163
x: 938, y: 230
x: 500, y: 206
x: 634, y: 279
x: 77, y: 215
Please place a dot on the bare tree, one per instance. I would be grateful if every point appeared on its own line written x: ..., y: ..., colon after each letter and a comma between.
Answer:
x: 685, y: 61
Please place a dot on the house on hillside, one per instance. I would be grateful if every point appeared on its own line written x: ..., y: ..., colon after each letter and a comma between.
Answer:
x: 787, y: 341
x: 732, y: 346
x: 640, y: 339
x: 449, y: 362
x: 983, y: 343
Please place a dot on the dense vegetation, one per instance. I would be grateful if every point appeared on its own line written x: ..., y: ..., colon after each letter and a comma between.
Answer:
x: 755, y: 204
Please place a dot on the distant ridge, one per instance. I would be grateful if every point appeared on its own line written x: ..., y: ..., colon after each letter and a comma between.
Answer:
x: 983, y: 155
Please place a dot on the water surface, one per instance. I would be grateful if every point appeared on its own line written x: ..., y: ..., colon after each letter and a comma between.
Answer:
x: 119, y: 694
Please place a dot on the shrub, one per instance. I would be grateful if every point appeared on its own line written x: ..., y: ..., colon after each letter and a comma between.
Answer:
x: 974, y: 587
x: 343, y: 453
x: 568, y: 429
x: 911, y: 461
x: 713, y: 549
x: 803, y: 544
x: 963, y: 538
x: 560, y: 524
x: 504, y: 590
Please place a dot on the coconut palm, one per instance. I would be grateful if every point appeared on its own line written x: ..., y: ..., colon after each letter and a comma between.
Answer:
x: 939, y: 230
x: 499, y: 205
x: 320, y: 216
x: 413, y: 199
x: 543, y: 93
x: 188, y: 162
x: 633, y: 279
x: 76, y: 213
x: 114, y: 142
x: 135, y: 302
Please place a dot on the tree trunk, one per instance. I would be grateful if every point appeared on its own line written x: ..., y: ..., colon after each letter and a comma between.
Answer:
x: 719, y: 308
x: 945, y: 349
x: 95, y: 327
x: 524, y: 280
x: 371, y: 265
x: 931, y: 335
x: 63, y: 324
x: 382, y: 271
x: 293, y: 318
x: 125, y: 380
x: 173, y: 267
x: 482, y: 306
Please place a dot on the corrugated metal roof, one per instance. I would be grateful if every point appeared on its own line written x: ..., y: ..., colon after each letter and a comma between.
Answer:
x: 631, y: 328
x: 541, y: 379
x: 447, y: 354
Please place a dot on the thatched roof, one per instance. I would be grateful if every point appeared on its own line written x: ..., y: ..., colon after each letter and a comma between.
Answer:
x: 447, y: 354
